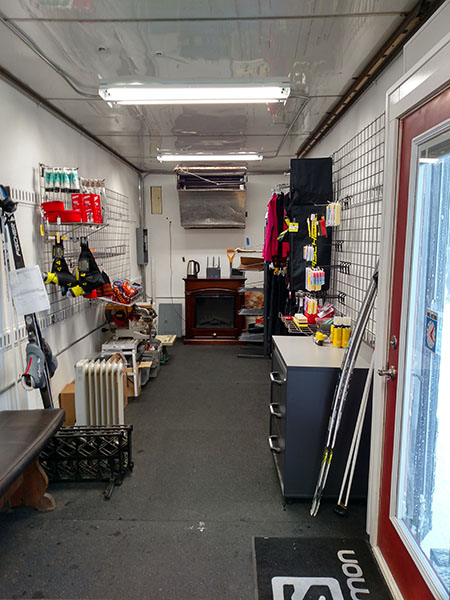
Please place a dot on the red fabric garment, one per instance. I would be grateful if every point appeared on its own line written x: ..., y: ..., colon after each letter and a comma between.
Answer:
x: 270, y: 240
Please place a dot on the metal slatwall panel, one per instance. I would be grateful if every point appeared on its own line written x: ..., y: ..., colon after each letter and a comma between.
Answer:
x: 358, y: 184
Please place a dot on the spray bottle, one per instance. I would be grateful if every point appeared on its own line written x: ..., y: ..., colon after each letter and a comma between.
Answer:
x: 346, y: 322
x: 337, y: 333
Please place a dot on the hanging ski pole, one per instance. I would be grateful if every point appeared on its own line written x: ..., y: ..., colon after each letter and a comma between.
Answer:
x: 41, y: 363
x: 341, y: 390
x: 347, y: 479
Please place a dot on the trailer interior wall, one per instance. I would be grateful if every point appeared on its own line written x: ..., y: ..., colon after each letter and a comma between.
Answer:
x: 169, y: 243
x: 371, y: 104
x: 31, y: 135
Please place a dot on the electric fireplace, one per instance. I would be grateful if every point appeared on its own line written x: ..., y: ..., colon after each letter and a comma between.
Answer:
x: 212, y: 310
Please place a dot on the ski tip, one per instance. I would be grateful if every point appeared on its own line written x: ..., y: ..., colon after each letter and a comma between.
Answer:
x: 341, y: 510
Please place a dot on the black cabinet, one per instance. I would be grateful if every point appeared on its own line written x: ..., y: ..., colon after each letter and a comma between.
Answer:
x: 303, y: 380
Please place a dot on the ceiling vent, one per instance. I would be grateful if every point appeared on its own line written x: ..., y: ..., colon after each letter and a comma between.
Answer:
x: 212, y: 197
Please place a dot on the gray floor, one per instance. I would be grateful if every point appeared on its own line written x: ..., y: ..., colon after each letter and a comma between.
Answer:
x: 181, y: 526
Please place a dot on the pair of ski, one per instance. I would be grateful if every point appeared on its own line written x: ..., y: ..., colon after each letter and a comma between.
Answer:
x: 41, y: 363
x: 341, y: 392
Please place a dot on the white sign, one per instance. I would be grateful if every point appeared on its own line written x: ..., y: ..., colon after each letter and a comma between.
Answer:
x: 28, y: 291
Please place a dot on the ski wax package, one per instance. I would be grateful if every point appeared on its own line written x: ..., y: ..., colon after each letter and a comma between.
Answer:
x: 61, y: 179
x: 125, y: 292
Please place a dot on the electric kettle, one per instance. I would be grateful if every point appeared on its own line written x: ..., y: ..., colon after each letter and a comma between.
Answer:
x: 193, y: 267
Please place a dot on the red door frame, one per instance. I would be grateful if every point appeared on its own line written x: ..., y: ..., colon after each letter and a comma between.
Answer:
x: 406, y: 574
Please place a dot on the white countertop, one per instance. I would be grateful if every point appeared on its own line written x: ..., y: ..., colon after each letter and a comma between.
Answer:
x: 302, y: 351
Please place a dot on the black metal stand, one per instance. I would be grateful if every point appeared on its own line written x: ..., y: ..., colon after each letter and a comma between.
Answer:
x: 102, y: 453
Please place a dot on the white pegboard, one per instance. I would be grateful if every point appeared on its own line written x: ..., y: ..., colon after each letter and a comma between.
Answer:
x: 358, y: 169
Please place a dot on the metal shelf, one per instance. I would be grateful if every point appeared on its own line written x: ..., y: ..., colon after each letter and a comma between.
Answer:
x: 105, y: 253
x: 252, y: 312
x: 250, y: 289
x: 292, y: 327
x: 111, y: 301
x: 53, y: 228
x: 256, y: 338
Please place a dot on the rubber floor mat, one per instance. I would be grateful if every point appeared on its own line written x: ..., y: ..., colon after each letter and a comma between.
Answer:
x: 317, y: 569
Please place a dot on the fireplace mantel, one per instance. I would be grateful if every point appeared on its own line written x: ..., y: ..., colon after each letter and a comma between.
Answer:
x: 212, y: 310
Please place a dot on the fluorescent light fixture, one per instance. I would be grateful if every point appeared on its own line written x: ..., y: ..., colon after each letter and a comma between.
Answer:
x: 226, y: 93
x: 239, y: 156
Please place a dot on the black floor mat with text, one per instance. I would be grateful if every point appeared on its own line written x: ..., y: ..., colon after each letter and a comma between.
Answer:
x: 317, y: 569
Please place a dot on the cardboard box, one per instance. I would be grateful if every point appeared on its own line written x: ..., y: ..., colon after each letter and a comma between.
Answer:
x: 250, y: 263
x: 67, y: 402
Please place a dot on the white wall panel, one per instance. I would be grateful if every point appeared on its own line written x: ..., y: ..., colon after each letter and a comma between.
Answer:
x: 166, y: 270
x: 428, y: 35
x: 31, y: 135
x: 362, y: 113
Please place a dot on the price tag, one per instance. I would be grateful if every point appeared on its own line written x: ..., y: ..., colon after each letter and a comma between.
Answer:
x: 293, y: 227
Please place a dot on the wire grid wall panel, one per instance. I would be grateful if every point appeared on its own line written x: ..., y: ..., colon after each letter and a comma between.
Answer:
x: 358, y: 169
x: 110, y: 243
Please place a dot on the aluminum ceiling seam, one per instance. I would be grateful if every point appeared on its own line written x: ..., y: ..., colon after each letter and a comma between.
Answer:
x: 423, y: 10
x: 35, y: 48
x: 396, y: 13
x: 40, y: 101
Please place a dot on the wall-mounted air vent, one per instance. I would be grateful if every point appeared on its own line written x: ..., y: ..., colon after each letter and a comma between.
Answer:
x: 211, y: 178
x: 211, y: 197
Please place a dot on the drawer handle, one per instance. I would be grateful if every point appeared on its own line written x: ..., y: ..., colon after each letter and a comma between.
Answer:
x: 275, y: 413
x: 272, y: 446
x: 275, y: 377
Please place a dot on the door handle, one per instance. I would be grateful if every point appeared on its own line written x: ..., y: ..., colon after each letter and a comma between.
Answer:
x: 276, y: 413
x: 276, y: 378
x: 390, y: 373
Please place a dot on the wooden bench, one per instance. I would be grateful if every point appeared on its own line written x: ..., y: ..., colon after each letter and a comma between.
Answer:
x: 23, y: 434
x: 166, y: 341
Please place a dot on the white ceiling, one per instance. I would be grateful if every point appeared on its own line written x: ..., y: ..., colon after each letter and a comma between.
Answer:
x: 319, y: 45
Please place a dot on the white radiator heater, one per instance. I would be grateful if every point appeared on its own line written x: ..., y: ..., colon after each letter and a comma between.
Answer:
x: 100, y: 387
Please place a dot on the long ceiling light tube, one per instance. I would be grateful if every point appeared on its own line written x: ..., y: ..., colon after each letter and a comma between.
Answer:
x: 239, y: 156
x: 137, y: 93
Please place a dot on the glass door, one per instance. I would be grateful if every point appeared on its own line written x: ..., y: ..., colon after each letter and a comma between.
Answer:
x: 420, y: 506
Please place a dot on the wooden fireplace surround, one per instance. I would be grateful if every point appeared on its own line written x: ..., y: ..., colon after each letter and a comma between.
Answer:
x: 201, y: 286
